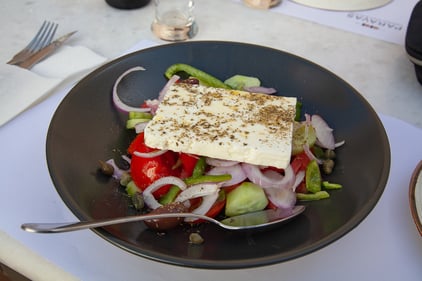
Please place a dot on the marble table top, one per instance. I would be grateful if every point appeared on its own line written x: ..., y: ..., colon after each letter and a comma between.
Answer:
x: 379, y: 70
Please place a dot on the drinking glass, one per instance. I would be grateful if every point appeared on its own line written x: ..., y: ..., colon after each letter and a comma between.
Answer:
x: 174, y: 20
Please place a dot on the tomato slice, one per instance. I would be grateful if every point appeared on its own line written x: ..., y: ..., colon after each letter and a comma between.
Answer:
x: 138, y: 144
x: 301, y: 188
x: 300, y: 162
x: 215, y: 209
x: 271, y: 205
x: 271, y: 168
x: 188, y: 162
x: 218, y: 205
x: 145, y: 171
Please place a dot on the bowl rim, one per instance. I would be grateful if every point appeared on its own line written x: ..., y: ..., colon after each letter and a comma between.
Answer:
x: 417, y: 173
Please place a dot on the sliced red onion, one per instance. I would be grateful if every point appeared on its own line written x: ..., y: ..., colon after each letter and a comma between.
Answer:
x: 116, y: 99
x: 152, y: 105
x: 219, y: 162
x: 256, y: 176
x: 288, y: 179
x: 150, y: 200
x: 260, y: 89
x: 206, y: 204
x: 117, y: 172
x: 197, y: 190
x: 167, y: 86
x: 308, y: 119
x: 300, y: 176
x: 281, y: 197
x: 236, y: 171
x: 126, y: 158
x: 323, y: 132
x: 309, y: 153
x: 151, y: 154
x: 273, y: 175
x: 340, y: 143
x: 140, y: 127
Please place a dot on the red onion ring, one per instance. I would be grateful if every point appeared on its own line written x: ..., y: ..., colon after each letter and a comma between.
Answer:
x: 206, y: 204
x: 308, y: 119
x: 220, y: 162
x: 126, y: 158
x: 140, y: 127
x: 340, y: 143
x: 281, y: 197
x: 268, y: 180
x: 150, y: 200
x: 260, y: 89
x: 236, y: 171
x: 323, y: 132
x: 309, y: 153
x: 116, y: 99
x: 197, y: 190
x: 151, y: 154
x: 152, y: 105
x: 167, y: 86
x: 300, y: 176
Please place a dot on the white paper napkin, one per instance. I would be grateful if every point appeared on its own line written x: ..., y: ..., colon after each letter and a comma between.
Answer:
x: 21, y: 88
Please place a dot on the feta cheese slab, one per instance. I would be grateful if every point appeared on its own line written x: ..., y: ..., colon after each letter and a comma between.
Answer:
x: 225, y: 124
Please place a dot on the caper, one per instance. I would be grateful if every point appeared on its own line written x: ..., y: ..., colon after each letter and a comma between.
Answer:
x: 327, y: 166
x: 195, y: 238
x: 330, y: 154
x: 106, y: 168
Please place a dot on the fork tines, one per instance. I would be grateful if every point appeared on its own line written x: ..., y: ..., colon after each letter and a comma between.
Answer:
x: 43, y: 37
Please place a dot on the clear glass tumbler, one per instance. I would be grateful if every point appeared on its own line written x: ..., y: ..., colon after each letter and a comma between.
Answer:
x: 174, y: 20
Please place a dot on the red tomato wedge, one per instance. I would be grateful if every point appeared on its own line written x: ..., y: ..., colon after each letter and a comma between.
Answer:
x: 145, y: 171
x: 300, y: 162
x: 218, y: 205
x: 188, y: 162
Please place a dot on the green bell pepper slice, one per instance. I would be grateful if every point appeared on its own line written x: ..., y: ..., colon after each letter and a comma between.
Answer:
x: 203, y: 77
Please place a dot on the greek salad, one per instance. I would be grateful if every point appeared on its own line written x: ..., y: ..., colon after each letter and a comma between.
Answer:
x: 215, y: 187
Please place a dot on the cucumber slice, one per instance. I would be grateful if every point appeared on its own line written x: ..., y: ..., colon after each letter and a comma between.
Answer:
x: 245, y: 198
x: 239, y: 82
x: 139, y: 115
x: 131, y: 123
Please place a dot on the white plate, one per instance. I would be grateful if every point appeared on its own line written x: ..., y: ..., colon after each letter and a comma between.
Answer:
x: 415, y: 196
x: 343, y: 5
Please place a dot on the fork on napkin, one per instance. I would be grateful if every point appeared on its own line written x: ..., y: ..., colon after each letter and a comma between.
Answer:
x: 21, y: 88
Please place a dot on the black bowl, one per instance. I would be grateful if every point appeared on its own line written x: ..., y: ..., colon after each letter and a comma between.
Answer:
x: 87, y: 127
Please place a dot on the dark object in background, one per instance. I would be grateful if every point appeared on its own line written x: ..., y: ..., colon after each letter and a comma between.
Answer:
x: 127, y: 4
x: 414, y: 39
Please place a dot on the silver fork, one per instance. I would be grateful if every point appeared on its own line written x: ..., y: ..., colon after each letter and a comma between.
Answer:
x: 43, y: 37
